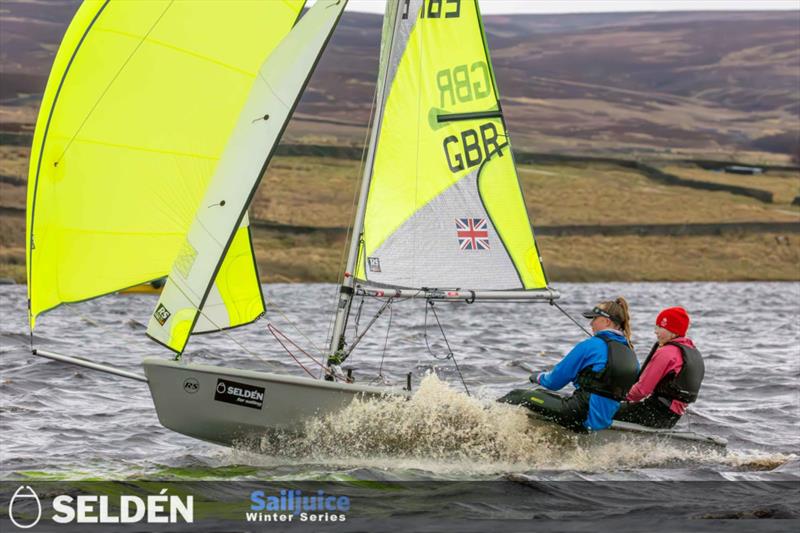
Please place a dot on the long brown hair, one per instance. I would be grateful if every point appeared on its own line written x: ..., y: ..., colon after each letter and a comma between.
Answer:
x: 620, y: 315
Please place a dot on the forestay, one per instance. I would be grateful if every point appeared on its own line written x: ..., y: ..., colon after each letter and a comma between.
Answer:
x: 444, y: 207
x: 273, y: 96
x: 140, y: 103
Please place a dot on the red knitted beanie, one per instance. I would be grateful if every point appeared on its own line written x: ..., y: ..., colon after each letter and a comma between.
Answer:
x: 674, y: 319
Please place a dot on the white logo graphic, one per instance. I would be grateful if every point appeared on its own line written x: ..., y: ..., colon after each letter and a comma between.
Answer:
x: 92, y: 509
x: 29, y: 495
x: 374, y: 264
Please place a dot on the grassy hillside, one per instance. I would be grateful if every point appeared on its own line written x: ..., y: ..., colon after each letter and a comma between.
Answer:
x: 302, y: 193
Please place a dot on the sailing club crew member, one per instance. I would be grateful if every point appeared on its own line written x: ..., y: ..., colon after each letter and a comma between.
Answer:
x: 670, y: 377
x: 602, y: 368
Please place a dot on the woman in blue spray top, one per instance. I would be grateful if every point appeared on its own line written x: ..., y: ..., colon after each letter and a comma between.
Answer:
x: 602, y: 368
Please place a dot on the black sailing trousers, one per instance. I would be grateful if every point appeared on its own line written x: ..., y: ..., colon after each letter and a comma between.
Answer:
x: 568, y: 411
x: 652, y: 412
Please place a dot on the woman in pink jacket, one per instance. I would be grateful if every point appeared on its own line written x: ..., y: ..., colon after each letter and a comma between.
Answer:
x: 670, y: 377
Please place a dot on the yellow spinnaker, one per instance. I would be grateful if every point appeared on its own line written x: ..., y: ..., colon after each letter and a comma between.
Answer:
x: 140, y: 102
x: 444, y: 207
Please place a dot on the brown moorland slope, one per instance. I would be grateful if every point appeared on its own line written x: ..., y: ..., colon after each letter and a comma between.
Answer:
x: 700, y: 83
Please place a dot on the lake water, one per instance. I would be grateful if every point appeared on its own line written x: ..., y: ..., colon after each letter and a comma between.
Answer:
x: 64, y: 422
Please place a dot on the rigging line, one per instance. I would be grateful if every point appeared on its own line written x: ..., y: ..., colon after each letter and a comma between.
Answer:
x: 276, y: 332
x: 110, y: 83
x: 270, y: 329
x: 271, y: 303
x: 231, y: 337
x: 461, y: 376
x: 450, y: 354
x: 242, y: 346
x: 359, y: 338
x: 358, y: 316
x: 386, y: 340
x: 553, y: 302
x: 425, y: 334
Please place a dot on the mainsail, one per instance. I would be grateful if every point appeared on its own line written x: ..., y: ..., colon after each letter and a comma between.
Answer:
x: 441, y: 210
x: 273, y: 96
x: 444, y: 207
x: 139, y: 106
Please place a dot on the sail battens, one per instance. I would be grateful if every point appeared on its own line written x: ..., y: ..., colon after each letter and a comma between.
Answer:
x: 260, y: 124
x: 468, y: 116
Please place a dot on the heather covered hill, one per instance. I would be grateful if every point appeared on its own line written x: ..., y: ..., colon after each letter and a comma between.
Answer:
x: 710, y: 84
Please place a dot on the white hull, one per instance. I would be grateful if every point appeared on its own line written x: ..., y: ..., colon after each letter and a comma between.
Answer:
x: 673, y: 435
x: 230, y: 406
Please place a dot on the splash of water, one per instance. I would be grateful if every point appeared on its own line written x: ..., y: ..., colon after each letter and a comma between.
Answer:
x: 442, y: 430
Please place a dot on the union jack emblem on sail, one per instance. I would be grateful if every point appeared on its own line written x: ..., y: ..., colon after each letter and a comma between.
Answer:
x: 473, y: 233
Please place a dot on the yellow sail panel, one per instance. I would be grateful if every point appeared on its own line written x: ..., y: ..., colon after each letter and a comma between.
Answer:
x: 499, y: 189
x: 231, y: 302
x: 138, y: 108
x: 427, y: 222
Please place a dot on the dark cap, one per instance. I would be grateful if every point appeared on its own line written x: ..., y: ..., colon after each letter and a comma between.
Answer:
x: 596, y: 312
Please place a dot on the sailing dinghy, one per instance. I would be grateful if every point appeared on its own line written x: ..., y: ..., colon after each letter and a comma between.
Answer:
x: 157, y: 123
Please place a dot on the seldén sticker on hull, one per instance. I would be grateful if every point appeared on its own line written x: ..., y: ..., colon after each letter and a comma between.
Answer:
x: 240, y: 394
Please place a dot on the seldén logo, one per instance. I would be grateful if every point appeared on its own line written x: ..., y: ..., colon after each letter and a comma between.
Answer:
x: 24, y: 494
x: 158, y: 508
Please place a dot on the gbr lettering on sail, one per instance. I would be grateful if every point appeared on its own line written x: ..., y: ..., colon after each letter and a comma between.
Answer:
x: 462, y: 84
x: 457, y: 85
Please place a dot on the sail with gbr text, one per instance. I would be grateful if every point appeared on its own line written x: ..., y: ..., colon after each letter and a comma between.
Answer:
x: 444, y: 206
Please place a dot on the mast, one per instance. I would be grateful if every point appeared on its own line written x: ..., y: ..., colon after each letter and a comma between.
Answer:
x: 346, y: 289
x: 441, y: 209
